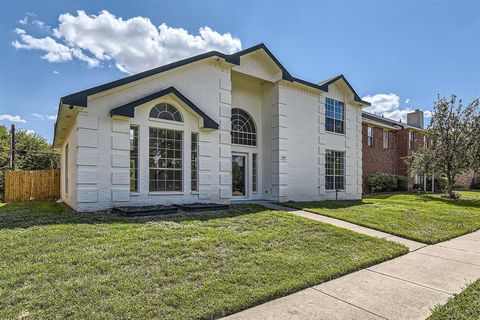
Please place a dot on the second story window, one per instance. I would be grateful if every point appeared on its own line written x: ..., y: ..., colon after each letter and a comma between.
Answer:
x: 370, y: 136
x: 334, y: 116
x: 411, y: 139
x: 385, y: 139
x: 243, y: 128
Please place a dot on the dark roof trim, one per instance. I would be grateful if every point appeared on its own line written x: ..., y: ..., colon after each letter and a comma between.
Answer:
x: 80, y: 98
x: 324, y: 86
x: 128, y: 110
x: 285, y: 74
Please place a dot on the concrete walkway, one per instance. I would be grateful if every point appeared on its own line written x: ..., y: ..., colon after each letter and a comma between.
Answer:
x: 403, y: 288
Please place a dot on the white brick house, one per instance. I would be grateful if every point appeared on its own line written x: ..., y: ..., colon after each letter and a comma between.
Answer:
x: 211, y: 128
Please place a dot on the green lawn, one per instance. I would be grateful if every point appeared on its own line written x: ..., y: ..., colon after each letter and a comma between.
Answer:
x: 464, y: 306
x: 425, y: 218
x: 57, y: 264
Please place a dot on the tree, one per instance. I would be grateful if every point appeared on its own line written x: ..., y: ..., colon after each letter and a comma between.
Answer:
x: 33, y: 152
x: 454, y: 135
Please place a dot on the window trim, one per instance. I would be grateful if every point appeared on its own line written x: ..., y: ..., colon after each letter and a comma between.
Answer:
x: 344, y: 177
x: 335, y: 119
x: 370, y: 138
x: 182, y: 150
x: 66, y: 170
x: 386, y: 143
x: 168, y: 104
x: 192, y: 161
x: 137, y: 187
x: 411, y: 140
x: 253, y: 133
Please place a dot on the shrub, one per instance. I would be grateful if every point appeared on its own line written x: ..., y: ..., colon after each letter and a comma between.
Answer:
x: 385, y: 182
x: 476, y: 185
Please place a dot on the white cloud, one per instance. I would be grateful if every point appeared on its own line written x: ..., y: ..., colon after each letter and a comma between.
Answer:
x: 56, y: 72
x: 11, y: 118
x: 407, y: 101
x: 30, y: 131
x: 132, y: 45
x: 388, y: 105
x: 51, y: 117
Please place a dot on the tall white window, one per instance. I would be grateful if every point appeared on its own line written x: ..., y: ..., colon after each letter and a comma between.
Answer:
x: 133, y: 158
x: 334, y: 115
x: 165, y: 160
x: 334, y: 170
x: 370, y: 136
x: 385, y: 139
x: 411, y: 140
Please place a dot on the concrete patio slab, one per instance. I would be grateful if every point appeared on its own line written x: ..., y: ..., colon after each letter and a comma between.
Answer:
x: 442, y: 274
x: 462, y: 244
x: 385, y: 296
x: 454, y: 254
x: 303, y: 305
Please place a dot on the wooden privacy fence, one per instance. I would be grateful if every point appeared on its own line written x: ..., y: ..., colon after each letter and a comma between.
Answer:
x: 32, y: 185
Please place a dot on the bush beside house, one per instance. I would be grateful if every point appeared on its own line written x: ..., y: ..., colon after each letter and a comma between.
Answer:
x: 385, y: 182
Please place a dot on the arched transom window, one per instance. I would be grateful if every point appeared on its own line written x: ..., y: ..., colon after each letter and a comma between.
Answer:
x: 243, y: 128
x: 166, y: 111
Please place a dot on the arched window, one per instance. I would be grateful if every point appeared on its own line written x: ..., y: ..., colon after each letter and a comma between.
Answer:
x: 166, y: 111
x: 243, y: 128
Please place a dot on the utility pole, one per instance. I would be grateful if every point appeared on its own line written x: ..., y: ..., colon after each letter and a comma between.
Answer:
x: 12, y: 147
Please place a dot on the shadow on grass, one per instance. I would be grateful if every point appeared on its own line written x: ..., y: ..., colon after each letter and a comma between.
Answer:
x: 31, y: 214
x: 471, y: 203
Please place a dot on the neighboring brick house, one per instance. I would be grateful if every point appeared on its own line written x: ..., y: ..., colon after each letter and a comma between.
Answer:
x: 387, y: 142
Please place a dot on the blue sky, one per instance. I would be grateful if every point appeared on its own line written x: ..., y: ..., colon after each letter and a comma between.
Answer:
x: 401, y: 54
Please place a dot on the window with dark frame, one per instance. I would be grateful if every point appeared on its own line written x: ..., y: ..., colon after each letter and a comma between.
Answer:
x: 334, y: 115
x: 334, y: 170
x: 254, y: 172
x: 166, y: 111
x: 411, y: 140
x: 133, y: 159
x: 165, y: 160
x: 385, y: 139
x: 243, y: 128
x: 194, y: 162
x: 370, y: 136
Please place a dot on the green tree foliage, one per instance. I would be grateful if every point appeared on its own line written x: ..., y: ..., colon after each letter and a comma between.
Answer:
x: 33, y: 152
x: 454, y: 132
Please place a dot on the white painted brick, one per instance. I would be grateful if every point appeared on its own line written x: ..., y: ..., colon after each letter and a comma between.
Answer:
x: 226, y: 179
x: 87, y: 122
x: 120, y: 194
x: 225, y: 97
x: 225, y: 124
x: 225, y: 137
x: 85, y: 194
x: 121, y: 176
x: 225, y: 110
x: 204, y: 164
x: 225, y: 83
x: 120, y: 141
x: 122, y: 126
x: 87, y: 156
x: 87, y: 175
x: 225, y: 193
x: 121, y: 159
x: 226, y: 165
x: 225, y: 151
x: 204, y: 178
x: 87, y: 138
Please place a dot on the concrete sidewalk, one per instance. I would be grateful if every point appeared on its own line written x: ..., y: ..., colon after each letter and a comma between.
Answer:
x: 407, y: 287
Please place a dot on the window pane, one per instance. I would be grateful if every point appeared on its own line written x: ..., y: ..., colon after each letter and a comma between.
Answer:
x: 166, y: 111
x: 194, y: 162
x: 165, y: 160
x: 254, y: 172
x: 243, y: 128
x: 334, y: 170
x: 334, y: 115
x: 133, y: 159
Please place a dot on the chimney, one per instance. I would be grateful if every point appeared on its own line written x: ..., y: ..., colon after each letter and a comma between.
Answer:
x: 415, y: 118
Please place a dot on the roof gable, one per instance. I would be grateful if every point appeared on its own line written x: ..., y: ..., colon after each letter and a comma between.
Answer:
x: 128, y: 109
x: 326, y: 83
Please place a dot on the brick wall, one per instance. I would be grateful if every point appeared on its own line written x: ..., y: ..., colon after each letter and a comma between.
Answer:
x: 391, y: 160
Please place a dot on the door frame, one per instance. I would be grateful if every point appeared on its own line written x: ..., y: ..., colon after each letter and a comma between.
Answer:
x: 246, y: 174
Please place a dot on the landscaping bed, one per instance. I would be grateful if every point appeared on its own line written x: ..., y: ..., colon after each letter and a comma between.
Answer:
x: 422, y: 217
x: 58, y: 264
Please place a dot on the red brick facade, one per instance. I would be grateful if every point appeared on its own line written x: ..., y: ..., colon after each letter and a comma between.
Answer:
x: 376, y: 158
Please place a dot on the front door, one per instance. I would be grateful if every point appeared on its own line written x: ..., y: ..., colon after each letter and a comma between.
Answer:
x: 239, y: 181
